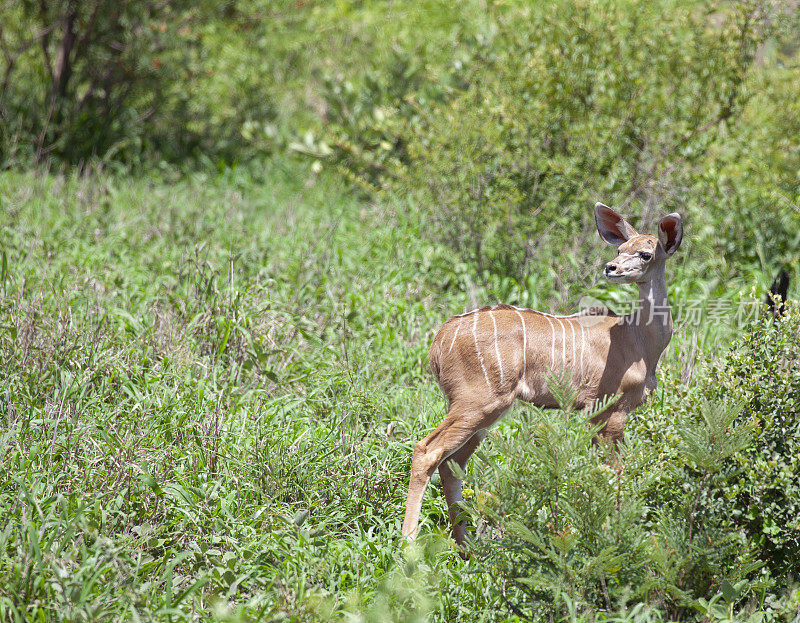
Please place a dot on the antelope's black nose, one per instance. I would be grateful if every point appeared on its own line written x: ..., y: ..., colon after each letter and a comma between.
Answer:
x: 610, y: 268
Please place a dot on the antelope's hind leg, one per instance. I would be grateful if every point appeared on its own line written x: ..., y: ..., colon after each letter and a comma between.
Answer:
x: 461, y: 424
x: 452, y: 485
x: 428, y: 454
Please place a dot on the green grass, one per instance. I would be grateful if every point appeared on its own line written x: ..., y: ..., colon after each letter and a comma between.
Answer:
x: 209, y: 391
x: 187, y: 413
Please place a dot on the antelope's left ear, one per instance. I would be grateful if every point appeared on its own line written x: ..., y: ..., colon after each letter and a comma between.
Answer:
x: 670, y: 232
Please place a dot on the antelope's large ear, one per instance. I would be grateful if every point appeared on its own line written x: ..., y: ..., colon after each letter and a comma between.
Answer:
x: 670, y: 232
x: 612, y: 227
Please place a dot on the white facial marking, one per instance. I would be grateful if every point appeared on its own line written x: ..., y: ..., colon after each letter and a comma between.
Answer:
x: 497, y: 348
x: 478, y: 350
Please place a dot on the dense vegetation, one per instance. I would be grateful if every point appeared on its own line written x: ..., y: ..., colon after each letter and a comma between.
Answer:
x: 228, y: 233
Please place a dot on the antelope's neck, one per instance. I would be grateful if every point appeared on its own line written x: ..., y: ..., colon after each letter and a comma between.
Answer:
x: 654, y: 320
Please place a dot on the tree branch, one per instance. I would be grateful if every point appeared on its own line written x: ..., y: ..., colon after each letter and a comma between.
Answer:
x: 64, y: 62
x: 45, y: 40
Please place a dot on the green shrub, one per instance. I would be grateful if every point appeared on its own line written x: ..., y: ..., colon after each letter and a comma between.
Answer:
x: 172, y: 79
x: 539, y: 117
x: 762, y: 370
x: 88, y: 78
x: 755, y: 493
x: 574, y: 529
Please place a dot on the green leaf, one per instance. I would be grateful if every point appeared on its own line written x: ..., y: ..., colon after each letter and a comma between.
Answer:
x: 300, y: 517
x: 730, y: 593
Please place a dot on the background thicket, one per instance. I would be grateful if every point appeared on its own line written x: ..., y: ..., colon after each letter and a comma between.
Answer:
x: 229, y: 231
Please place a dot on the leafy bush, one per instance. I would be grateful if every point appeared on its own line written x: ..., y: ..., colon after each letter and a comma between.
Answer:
x: 533, y: 124
x: 85, y: 78
x: 757, y: 492
x: 126, y: 81
x: 761, y: 370
x: 575, y: 529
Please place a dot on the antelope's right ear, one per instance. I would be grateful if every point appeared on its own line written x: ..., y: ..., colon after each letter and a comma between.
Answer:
x: 670, y: 232
x: 612, y: 227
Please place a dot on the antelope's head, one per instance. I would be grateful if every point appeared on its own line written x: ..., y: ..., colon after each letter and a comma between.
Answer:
x: 639, y: 254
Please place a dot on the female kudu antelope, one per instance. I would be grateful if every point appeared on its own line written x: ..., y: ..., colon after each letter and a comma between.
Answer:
x: 485, y: 359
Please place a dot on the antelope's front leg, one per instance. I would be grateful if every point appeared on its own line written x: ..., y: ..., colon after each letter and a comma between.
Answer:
x: 613, y: 421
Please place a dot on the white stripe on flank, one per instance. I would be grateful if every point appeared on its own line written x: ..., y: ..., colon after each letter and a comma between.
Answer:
x: 524, y: 348
x: 497, y: 348
x: 478, y: 350
x: 572, y: 361
x: 583, y: 347
x: 455, y: 335
x: 563, y: 344
x: 552, y: 344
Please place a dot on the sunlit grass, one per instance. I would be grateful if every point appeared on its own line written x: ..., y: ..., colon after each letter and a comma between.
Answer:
x: 209, y: 390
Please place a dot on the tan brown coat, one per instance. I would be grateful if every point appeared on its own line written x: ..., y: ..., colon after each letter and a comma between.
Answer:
x: 485, y: 359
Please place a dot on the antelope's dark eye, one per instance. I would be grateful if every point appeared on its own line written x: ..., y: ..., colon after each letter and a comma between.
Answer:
x: 645, y: 256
